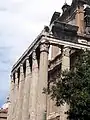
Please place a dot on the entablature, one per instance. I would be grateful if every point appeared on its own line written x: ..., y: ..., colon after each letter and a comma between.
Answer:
x: 66, y: 36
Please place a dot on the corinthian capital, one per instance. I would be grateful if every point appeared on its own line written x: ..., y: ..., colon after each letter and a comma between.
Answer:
x: 66, y: 51
x: 44, y: 46
x: 21, y: 68
x: 16, y: 74
x: 11, y: 76
x: 27, y: 61
x: 34, y: 56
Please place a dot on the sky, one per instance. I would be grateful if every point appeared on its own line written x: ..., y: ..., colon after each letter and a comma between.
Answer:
x: 20, y: 23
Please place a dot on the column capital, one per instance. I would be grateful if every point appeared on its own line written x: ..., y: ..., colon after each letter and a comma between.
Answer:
x: 34, y: 57
x: 12, y: 80
x: 66, y: 51
x: 16, y: 77
x: 34, y: 60
x: 21, y: 68
x: 11, y: 77
x: 44, y: 46
x: 27, y: 57
x: 16, y: 74
x: 27, y: 61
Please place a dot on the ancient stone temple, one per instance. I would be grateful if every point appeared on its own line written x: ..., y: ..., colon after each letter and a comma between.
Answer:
x: 53, y: 51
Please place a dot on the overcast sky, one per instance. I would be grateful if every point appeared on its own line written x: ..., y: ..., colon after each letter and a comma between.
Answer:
x: 20, y: 22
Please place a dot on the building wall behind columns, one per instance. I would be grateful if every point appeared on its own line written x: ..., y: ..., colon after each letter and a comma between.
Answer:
x: 54, y: 51
x: 53, y: 110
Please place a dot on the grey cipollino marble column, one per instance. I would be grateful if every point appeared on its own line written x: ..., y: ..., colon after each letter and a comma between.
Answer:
x: 20, y: 94
x: 15, y: 96
x: 33, y: 89
x: 43, y: 78
x: 65, y: 66
x: 25, y: 114
x: 11, y: 98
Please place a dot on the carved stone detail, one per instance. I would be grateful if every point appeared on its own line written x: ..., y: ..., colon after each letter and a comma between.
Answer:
x: 21, y: 68
x: 16, y: 75
x: 27, y: 62
x: 34, y: 57
x: 44, y: 46
x: 66, y: 52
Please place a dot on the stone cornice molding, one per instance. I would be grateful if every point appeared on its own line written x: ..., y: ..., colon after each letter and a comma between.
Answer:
x: 59, y: 42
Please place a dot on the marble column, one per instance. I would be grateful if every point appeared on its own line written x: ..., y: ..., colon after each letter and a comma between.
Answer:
x: 65, y: 59
x: 43, y: 78
x: 25, y: 112
x: 20, y: 94
x: 33, y: 88
x: 15, y: 96
x: 65, y: 66
x: 11, y: 98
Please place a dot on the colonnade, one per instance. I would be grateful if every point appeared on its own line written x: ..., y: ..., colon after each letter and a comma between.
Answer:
x: 27, y: 83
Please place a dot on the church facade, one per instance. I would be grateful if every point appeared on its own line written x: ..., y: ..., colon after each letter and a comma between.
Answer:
x: 53, y: 51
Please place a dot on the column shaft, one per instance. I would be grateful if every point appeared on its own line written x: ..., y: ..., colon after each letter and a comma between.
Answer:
x: 43, y: 78
x: 65, y: 66
x: 65, y: 59
x: 20, y: 96
x: 25, y: 114
x: 15, y: 96
x: 33, y: 89
x: 11, y: 98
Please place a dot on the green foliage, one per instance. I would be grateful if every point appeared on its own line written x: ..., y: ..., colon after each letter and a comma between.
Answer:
x: 74, y: 88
